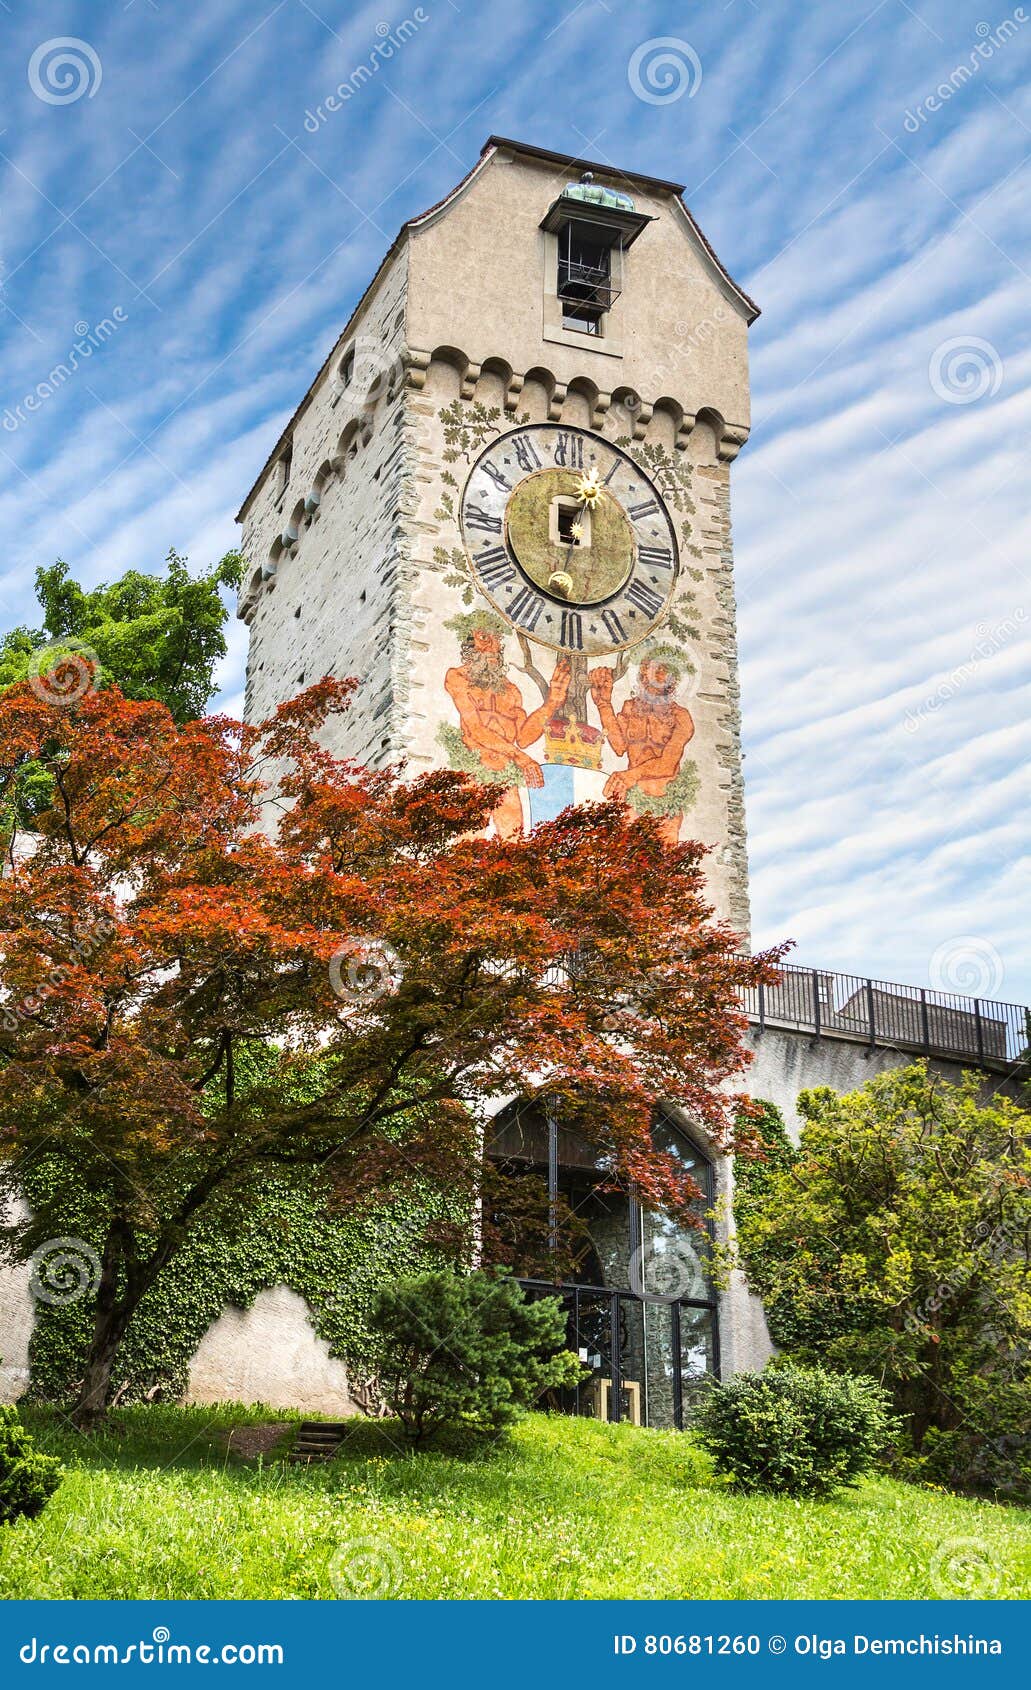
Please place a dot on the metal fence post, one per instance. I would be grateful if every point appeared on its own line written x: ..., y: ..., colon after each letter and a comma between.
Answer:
x: 816, y: 1002
x: 616, y: 1399
x: 871, y: 1013
x: 925, y: 1022
x: 552, y: 1178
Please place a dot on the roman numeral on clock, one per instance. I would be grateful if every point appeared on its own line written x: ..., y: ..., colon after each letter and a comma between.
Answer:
x: 569, y: 451
x: 658, y: 557
x: 613, y: 627
x: 647, y: 507
x: 475, y: 518
x: 494, y: 567
x: 526, y: 455
x: 526, y: 608
x: 612, y: 470
x: 496, y: 475
x: 644, y: 597
x: 571, y: 633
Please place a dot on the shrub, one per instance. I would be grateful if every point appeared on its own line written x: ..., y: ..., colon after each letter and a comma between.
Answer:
x: 27, y: 1479
x: 893, y: 1243
x: 794, y: 1429
x: 467, y: 1352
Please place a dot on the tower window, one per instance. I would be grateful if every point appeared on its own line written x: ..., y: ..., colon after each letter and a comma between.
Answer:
x: 347, y: 368
x: 285, y: 463
x: 593, y: 225
x: 584, y: 278
x: 584, y: 319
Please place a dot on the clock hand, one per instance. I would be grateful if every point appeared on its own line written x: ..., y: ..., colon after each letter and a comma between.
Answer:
x: 561, y: 581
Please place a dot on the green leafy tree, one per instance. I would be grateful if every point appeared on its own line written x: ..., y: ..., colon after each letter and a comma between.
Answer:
x: 894, y: 1242
x: 154, y: 636
x: 467, y: 1352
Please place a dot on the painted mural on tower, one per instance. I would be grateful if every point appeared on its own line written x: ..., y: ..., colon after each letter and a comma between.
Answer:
x: 572, y: 663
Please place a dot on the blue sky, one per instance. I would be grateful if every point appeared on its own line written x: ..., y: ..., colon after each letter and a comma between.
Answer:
x: 862, y: 169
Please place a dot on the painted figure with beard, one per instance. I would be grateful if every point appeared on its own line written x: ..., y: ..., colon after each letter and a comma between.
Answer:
x: 651, y: 731
x: 495, y: 727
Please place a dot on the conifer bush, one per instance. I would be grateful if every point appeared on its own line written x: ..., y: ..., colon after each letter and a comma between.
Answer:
x: 28, y: 1479
x: 797, y: 1430
x: 467, y: 1352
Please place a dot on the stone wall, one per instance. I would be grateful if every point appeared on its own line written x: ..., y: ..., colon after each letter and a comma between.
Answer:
x: 17, y: 1319
x: 788, y: 1062
x: 323, y: 552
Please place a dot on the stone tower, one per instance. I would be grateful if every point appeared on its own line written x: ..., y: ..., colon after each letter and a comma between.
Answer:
x: 503, y: 504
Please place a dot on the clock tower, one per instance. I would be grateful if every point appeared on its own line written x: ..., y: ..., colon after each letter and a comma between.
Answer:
x: 503, y: 505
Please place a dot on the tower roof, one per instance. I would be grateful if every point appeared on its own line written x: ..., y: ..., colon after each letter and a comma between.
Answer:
x: 569, y: 163
x: 574, y: 162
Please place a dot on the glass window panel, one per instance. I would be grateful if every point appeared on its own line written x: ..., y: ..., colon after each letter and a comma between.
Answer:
x: 673, y: 1260
x: 697, y: 1354
x: 659, y: 1366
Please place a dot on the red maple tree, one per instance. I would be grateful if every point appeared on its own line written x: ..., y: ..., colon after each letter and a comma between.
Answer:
x: 193, y: 894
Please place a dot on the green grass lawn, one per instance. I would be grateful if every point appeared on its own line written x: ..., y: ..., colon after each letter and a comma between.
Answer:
x: 157, y: 1507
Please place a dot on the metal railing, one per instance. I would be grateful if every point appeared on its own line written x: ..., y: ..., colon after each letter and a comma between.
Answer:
x: 909, y: 1018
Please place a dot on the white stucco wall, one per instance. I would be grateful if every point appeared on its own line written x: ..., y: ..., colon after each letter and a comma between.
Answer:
x: 269, y: 1353
x: 17, y: 1319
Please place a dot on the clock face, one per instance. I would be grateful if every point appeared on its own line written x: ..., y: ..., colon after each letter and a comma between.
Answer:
x: 569, y: 539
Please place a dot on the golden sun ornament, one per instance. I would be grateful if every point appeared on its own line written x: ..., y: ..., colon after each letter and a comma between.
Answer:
x: 590, y: 487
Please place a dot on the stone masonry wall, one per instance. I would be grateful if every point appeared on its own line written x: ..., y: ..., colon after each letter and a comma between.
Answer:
x: 323, y: 554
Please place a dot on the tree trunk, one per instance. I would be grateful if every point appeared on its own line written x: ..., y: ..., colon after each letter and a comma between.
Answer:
x: 91, y: 1407
x: 124, y: 1282
x: 112, y: 1314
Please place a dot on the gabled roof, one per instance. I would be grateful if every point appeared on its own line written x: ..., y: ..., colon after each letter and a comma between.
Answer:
x: 568, y: 162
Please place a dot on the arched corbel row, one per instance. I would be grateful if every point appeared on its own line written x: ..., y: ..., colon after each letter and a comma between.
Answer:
x: 731, y: 441
x: 416, y: 364
x: 729, y: 437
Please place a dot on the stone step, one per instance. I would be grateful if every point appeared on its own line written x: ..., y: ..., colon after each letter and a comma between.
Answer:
x: 317, y: 1440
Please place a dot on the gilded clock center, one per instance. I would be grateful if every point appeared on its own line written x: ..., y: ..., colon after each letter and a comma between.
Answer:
x: 572, y: 540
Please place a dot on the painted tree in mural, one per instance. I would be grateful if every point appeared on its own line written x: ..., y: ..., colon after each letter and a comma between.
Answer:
x: 191, y: 998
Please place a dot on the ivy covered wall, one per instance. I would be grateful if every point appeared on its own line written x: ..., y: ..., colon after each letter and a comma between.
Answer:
x: 288, y: 1236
